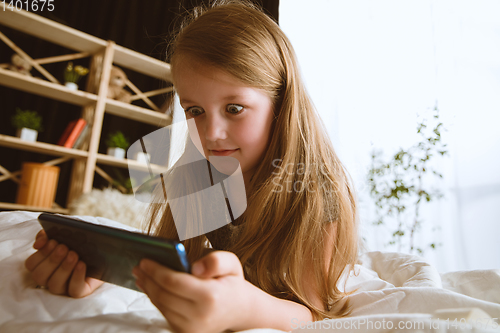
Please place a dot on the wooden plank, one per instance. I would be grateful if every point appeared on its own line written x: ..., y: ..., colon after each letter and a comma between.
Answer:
x: 40, y: 147
x: 107, y: 63
x: 110, y: 179
x: 9, y: 175
x: 27, y: 58
x: 57, y: 161
x: 142, y: 63
x: 12, y: 206
x: 66, y: 57
x: 51, y: 31
x: 139, y: 94
x: 78, y: 171
x: 59, y: 92
x: 124, y: 163
x: 65, y: 36
x: 44, y: 88
x: 134, y: 112
x: 14, y: 176
x: 153, y: 93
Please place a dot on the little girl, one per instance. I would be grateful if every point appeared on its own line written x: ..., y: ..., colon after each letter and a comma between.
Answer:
x: 279, y: 263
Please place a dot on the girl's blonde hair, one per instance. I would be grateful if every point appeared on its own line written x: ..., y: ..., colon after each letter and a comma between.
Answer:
x: 284, y: 227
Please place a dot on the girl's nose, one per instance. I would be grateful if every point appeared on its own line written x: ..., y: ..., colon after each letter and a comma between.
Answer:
x: 215, y: 128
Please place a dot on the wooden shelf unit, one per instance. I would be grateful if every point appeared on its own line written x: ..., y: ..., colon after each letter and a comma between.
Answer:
x: 11, y: 206
x: 41, y: 147
x: 45, y: 88
x: 103, y: 54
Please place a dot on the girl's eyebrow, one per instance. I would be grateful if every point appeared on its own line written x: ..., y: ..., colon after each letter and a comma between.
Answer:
x: 186, y: 101
x: 226, y: 98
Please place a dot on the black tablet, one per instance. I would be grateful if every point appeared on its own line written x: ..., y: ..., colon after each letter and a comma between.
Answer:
x: 111, y: 253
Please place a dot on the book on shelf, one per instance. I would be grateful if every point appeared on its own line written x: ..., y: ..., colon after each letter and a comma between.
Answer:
x: 71, y: 133
x: 66, y: 132
x: 81, y: 138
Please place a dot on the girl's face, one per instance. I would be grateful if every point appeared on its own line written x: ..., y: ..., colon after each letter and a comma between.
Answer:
x: 232, y: 118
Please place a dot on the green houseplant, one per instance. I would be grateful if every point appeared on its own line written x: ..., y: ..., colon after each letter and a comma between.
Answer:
x: 117, y: 144
x: 401, y: 185
x: 27, y: 123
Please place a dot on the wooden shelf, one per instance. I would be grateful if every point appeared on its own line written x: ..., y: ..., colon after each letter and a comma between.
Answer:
x: 103, y: 55
x: 51, y: 149
x: 134, y: 112
x: 65, y: 36
x: 12, y: 206
x: 142, y: 63
x: 124, y: 163
x: 61, y: 93
x: 40, y: 147
x: 45, y: 88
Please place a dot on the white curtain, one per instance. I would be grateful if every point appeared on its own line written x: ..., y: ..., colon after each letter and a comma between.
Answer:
x: 372, y: 66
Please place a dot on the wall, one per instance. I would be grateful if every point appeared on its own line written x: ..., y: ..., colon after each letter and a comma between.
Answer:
x: 370, y: 67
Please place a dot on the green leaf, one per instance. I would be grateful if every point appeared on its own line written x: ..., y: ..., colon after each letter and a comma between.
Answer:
x: 28, y: 119
x: 118, y: 140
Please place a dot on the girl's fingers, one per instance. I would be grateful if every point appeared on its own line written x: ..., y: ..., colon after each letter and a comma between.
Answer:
x: 76, y: 287
x: 164, y: 300
x: 40, y: 240
x: 39, y: 256
x: 181, y: 284
x: 40, y: 234
x: 79, y: 285
x: 58, y: 282
x: 47, y: 267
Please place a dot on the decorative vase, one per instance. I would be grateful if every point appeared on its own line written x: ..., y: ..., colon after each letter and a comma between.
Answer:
x: 38, y: 185
x: 27, y: 134
x: 116, y: 152
x: 142, y: 158
x: 71, y: 85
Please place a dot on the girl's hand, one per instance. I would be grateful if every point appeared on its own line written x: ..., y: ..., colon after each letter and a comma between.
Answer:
x: 212, y: 299
x: 58, y: 269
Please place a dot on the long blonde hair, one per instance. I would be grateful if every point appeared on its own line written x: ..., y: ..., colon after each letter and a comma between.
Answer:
x: 281, y: 230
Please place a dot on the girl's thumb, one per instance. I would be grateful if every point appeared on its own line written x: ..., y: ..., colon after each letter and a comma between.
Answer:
x: 198, y: 268
x: 216, y: 264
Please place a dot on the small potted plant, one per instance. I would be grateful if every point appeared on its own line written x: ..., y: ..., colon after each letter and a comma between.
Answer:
x: 73, y: 74
x: 28, y: 124
x: 117, y: 144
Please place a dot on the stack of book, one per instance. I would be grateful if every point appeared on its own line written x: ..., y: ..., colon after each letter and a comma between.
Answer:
x: 74, y: 134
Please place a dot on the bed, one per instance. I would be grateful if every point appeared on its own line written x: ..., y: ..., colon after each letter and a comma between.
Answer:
x: 395, y: 292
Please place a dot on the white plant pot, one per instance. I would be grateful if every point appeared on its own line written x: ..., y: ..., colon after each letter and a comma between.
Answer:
x: 71, y: 85
x: 27, y: 134
x: 117, y: 152
x: 142, y: 158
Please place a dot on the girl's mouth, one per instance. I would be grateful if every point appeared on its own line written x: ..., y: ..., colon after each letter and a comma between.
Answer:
x: 223, y: 152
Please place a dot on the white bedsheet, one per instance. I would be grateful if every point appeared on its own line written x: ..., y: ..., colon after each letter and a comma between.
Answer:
x: 392, y: 290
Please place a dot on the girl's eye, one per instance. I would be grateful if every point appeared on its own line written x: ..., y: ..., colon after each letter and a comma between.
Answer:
x: 194, y: 111
x: 234, y: 108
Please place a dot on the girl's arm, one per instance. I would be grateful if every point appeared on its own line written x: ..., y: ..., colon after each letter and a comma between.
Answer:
x: 216, y: 297
x: 267, y: 311
x: 273, y: 312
